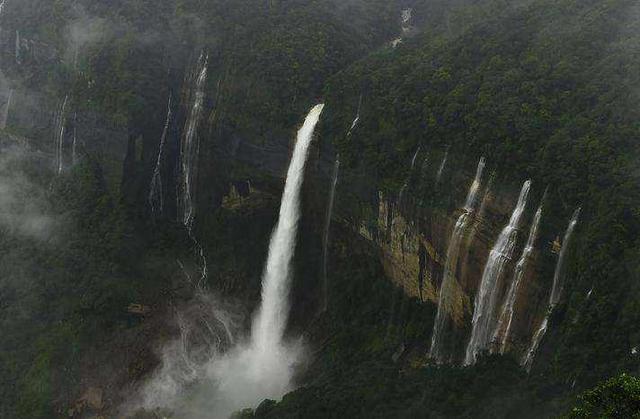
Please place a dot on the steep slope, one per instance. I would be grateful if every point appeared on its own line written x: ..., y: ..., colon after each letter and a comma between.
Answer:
x: 547, y: 92
x: 543, y: 90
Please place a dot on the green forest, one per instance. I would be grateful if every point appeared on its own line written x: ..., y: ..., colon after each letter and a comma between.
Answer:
x: 96, y: 284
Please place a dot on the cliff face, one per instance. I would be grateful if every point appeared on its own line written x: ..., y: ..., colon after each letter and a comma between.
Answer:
x: 413, y: 241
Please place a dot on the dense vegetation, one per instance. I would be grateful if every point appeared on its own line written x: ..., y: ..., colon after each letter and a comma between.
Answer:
x: 545, y: 89
x: 547, y: 93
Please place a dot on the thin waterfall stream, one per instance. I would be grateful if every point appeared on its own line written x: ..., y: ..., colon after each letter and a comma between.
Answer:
x: 554, y: 296
x: 327, y: 229
x: 156, y: 201
x: 503, y: 328
x: 449, y: 282
x: 487, y: 296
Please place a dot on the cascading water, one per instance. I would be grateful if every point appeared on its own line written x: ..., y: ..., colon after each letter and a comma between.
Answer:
x: 59, y: 135
x: 2, y: 2
x: 156, y: 201
x: 405, y: 19
x: 447, y: 289
x: 207, y: 329
x: 406, y: 182
x: 327, y: 227
x: 224, y: 375
x: 262, y: 368
x: 503, y: 328
x: 18, y: 47
x: 487, y: 296
x: 74, y: 144
x: 357, y: 118
x: 554, y: 296
x: 556, y: 290
x: 442, y: 166
x: 5, y: 114
x: 189, y: 146
x: 271, y: 320
x: 188, y: 166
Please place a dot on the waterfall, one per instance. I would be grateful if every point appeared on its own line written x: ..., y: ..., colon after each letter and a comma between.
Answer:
x: 556, y: 290
x: 442, y: 166
x: 262, y: 368
x: 327, y: 225
x: 406, y: 182
x: 487, y: 295
x: 554, y: 296
x: 405, y: 25
x: 58, y: 138
x: 190, y: 147
x: 269, y: 325
x: 589, y: 293
x: 156, y: 202
x: 357, y: 118
x: 2, y: 2
x: 448, y: 286
x: 74, y: 144
x: 5, y: 115
x: 17, y: 46
x: 503, y: 329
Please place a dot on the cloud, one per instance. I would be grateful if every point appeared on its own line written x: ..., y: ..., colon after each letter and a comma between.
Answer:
x: 22, y: 202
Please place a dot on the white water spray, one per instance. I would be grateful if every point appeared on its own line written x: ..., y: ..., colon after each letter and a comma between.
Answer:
x: 269, y: 325
x: 327, y: 228
x: 554, y: 296
x: 263, y: 367
x: 156, y: 201
x: 190, y: 147
x: 503, y: 329
x: 447, y: 288
x: 488, y: 293
x: 207, y: 329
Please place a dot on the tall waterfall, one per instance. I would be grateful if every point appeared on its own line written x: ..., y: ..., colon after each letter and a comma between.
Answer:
x: 2, y: 2
x: 58, y: 139
x: 263, y: 367
x: 446, y: 296
x: 190, y: 147
x: 442, y: 166
x: 327, y: 227
x: 488, y: 293
x: 156, y: 201
x: 269, y: 325
x: 503, y: 329
x: 554, y: 296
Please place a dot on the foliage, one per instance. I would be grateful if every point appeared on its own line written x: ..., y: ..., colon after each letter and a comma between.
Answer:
x: 618, y: 397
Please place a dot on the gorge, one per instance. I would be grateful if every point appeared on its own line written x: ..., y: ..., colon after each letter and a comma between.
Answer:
x: 299, y: 209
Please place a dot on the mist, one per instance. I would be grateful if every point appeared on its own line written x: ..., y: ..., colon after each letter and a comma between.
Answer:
x: 22, y: 202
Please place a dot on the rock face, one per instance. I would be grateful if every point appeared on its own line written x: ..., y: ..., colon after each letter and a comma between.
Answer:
x: 412, y: 246
x: 411, y: 258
